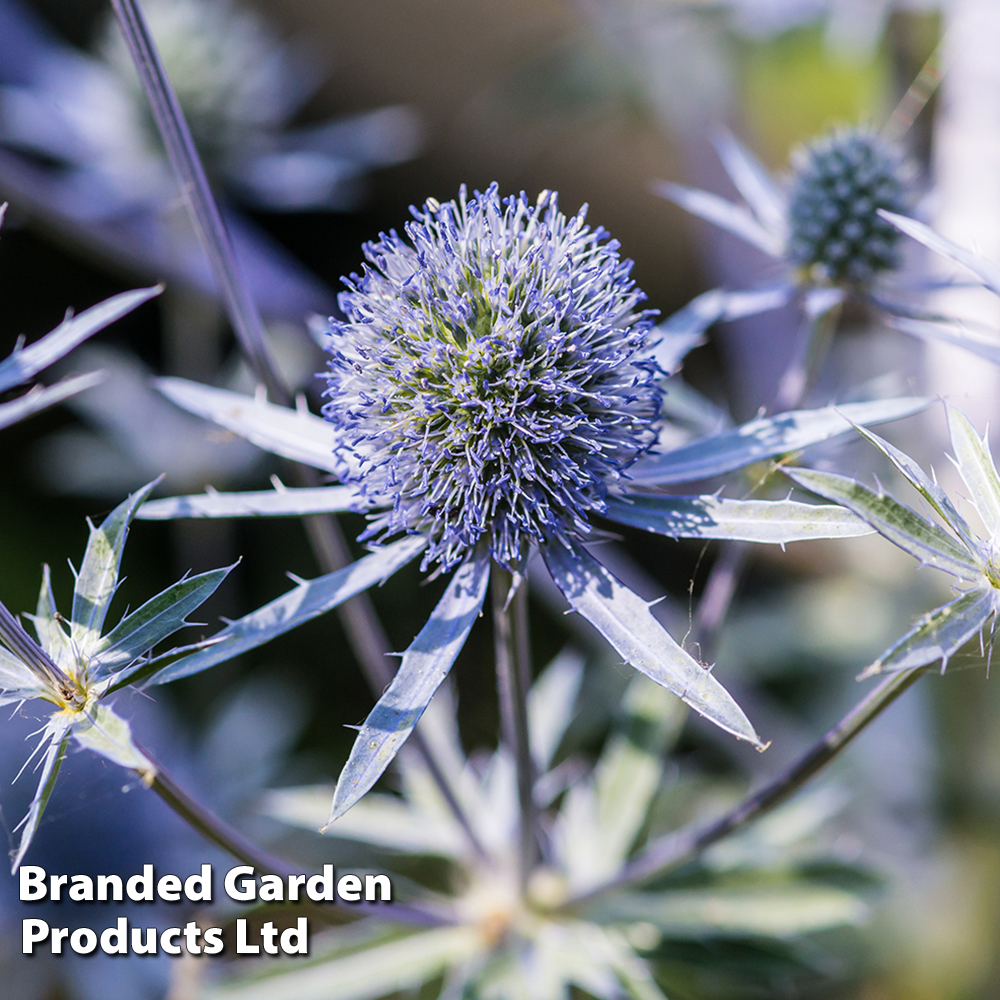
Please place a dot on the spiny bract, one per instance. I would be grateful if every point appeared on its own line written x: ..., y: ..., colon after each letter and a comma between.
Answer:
x: 490, y: 376
x: 840, y: 183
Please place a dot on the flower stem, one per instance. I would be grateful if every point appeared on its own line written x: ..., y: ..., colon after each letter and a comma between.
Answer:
x: 678, y: 848
x: 510, y: 632
x: 326, y: 539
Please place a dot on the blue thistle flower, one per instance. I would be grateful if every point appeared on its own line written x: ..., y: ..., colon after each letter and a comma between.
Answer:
x: 840, y: 183
x: 489, y: 376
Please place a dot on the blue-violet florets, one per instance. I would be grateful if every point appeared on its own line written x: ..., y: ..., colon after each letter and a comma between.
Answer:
x: 489, y: 376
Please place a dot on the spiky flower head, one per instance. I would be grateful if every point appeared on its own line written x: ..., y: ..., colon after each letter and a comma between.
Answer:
x: 490, y: 375
x: 840, y: 183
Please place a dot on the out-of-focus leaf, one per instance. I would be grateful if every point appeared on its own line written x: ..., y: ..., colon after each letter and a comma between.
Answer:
x: 295, y: 434
x: 261, y: 503
x: 309, y: 599
x: 782, y: 911
x: 903, y: 527
x: 970, y: 340
x: 550, y: 706
x: 631, y: 970
x: 752, y: 181
x: 380, y: 820
x: 733, y: 218
x: 98, y: 575
x: 977, y: 469
x: 984, y: 268
x: 38, y: 398
x: 939, y: 634
x: 29, y: 361
x: 425, y: 665
x: 110, y: 736
x: 685, y: 329
x: 682, y: 403
x: 625, y: 621
x: 630, y: 767
x: 766, y: 437
x: 774, y: 521
x: 55, y: 736
x: 373, y: 972
x: 151, y: 623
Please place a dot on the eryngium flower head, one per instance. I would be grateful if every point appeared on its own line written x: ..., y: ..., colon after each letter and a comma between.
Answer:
x: 490, y: 375
x: 840, y: 183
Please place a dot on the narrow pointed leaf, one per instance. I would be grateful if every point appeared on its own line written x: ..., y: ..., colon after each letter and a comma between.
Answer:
x: 17, y: 682
x: 977, y: 469
x: 772, y: 521
x: 625, y: 621
x: 733, y: 218
x: 263, y: 503
x: 752, y: 181
x: 294, y: 434
x: 550, y: 706
x: 309, y: 599
x: 939, y: 634
x: 685, y: 329
x: 424, y: 666
x: 150, y: 624
x: 52, y: 637
x: 984, y: 268
x: 110, y: 736
x: 764, y: 438
x: 57, y: 736
x: 367, y: 974
x: 971, y: 340
x: 903, y: 527
x: 379, y: 820
x: 24, y: 364
x: 939, y: 501
x: 39, y: 398
x: 782, y: 911
x: 98, y: 576
x: 683, y: 404
x: 630, y: 768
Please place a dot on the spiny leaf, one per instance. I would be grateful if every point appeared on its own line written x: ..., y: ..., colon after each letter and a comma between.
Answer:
x: 294, y: 434
x: 98, y: 576
x: 971, y: 340
x: 424, y: 666
x: 263, y: 503
x: 766, y: 437
x: 625, y: 621
x: 309, y: 599
x: 774, y: 521
x: 110, y: 736
x: 40, y: 399
x: 903, y: 527
x: 977, y: 469
x: 56, y: 736
x: 938, y: 635
x: 22, y: 365
x: 150, y: 624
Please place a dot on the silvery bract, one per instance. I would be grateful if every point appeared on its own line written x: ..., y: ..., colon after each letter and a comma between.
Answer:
x: 959, y: 551
x: 75, y: 665
x: 493, y: 389
x: 494, y: 943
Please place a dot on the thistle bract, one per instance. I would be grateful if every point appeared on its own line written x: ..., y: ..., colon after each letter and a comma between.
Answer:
x: 489, y: 376
x: 840, y: 183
